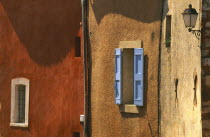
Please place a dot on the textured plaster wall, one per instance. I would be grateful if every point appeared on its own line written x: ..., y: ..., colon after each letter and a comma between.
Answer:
x: 112, y: 21
x: 180, y: 103
x: 37, y: 40
x: 206, y: 68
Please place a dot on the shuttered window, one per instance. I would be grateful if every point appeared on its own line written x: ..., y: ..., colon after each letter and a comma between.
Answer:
x: 138, y: 76
x: 129, y: 76
x: 118, y: 76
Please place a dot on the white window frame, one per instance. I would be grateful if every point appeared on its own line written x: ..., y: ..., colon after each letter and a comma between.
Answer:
x: 15, y: 82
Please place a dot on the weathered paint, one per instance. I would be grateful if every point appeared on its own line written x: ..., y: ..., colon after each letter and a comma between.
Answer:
x: 109, y: 23
x: 206, y: 68
x: 37, y: 40
x: 180, y: 75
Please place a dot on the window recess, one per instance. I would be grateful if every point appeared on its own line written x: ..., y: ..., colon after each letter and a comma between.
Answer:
x: 168, y: 31
x: 78, y: 47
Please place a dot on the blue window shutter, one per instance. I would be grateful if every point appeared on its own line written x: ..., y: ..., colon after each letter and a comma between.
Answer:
x: 138, y: 76
x: 118, y: 76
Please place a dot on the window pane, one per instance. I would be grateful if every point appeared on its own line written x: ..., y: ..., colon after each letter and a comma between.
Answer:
x: 21, y: 103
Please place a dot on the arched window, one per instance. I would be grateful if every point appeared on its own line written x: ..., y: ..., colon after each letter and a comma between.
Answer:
x: 19, y: 102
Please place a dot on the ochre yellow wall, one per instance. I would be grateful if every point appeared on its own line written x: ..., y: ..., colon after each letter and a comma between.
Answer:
x: 180, y: 110
x: 112, y: 21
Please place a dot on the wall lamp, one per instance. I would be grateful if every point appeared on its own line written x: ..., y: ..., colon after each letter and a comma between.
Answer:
x: 190, y: 17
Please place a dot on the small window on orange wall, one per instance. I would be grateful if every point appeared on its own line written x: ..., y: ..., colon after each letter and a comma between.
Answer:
x: 19, y: 102
x: 78, y: 47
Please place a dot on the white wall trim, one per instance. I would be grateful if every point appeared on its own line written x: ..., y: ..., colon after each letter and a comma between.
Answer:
x: 18, y: 124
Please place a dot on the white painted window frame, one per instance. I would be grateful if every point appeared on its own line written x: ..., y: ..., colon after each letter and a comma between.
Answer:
x: 18, y: 81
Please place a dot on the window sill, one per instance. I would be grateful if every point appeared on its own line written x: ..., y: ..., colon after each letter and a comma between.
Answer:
x: 18, y: 124
x: 129, y: 108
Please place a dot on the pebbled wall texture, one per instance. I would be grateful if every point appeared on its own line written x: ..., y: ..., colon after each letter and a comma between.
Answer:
x: 37, y: 41
x: 112, y: 21
x: 180, y: 75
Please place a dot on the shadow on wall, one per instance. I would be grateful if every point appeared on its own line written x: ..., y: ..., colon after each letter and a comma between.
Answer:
x: 47, y: 28
x: 141, y: 10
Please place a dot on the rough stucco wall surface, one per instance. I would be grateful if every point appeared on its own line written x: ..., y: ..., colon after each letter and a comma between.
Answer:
x: 109, y: 23
x: 180, y: 103
x: 37, y: 42
x: 206, y: 68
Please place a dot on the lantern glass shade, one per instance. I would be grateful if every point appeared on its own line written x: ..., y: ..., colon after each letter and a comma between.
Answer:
x: 190, y: 20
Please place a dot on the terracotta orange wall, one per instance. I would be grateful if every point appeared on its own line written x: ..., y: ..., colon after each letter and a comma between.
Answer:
x: 37, y: 40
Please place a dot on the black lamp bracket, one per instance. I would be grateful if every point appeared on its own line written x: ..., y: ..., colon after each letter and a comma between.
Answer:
x: 197, y: 33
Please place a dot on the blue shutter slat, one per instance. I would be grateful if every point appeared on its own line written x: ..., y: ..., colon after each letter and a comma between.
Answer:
x: 138, y: 76
x: 118, y: 76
